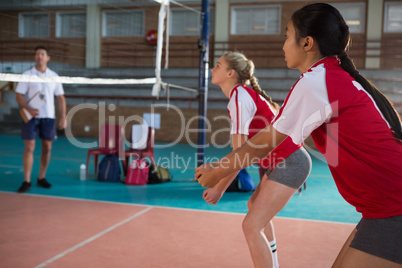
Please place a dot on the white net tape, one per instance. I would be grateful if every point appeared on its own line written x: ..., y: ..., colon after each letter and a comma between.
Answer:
x: 158, y: 83
x: 73, y: 80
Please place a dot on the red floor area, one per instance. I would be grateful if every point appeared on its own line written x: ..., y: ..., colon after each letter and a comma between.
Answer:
x: 54, y: 232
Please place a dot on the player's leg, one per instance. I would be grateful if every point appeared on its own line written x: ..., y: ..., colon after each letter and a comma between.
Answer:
x: 269, y: 229
x: 252, y: 198
x: 273, y: 196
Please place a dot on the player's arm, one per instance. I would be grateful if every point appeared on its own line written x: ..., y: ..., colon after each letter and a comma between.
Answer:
x: 213, y: 195
x: 238, y: 140
x: 251, y: 152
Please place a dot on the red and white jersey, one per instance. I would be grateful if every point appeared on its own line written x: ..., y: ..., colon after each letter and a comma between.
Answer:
x: 249, y: 113
x: 347, y: 127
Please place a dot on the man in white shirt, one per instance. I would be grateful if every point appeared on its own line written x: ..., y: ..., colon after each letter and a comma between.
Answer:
x: 43, y: 117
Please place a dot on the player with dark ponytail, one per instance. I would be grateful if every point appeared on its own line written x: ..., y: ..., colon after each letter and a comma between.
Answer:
x: 352, y: 124
x: 335, y: 41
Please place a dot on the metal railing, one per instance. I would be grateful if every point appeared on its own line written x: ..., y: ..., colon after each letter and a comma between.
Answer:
x: 268, y: 54
x: 397, y: 105
x: 9, y: 86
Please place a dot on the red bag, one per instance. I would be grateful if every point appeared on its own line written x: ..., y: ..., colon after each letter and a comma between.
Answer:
x: 137, y: 173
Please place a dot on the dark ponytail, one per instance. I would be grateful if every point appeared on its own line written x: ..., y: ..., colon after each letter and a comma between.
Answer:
x: 326, y: 25
x: 383, y: 103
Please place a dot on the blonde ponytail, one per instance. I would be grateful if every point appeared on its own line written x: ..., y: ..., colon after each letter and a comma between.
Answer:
x: 257, y: 88
x: 244, y: 69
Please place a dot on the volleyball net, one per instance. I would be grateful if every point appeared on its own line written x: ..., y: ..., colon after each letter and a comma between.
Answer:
x: 137, y: 42
x: 63, y: 30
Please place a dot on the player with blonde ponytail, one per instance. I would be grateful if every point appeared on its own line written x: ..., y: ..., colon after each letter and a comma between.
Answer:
x: 286, y: 168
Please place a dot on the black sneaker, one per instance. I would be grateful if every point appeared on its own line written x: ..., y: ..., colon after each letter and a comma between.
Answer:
x: 24, y: 187
x: 44, y: 183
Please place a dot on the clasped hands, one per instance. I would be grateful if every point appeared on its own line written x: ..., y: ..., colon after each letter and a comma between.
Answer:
x: 208, y: 174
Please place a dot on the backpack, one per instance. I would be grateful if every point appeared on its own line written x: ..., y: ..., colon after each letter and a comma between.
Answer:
x: 158, y: 174
x: 137, y: 173
x: 246, y: 181
x: 109, y: 169
x: 234, y: 186
x: 242, y: 183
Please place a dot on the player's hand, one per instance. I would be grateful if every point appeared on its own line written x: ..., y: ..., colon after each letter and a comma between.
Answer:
x: 33, y: 112
x: 212, y: 195
x: 207, y: 174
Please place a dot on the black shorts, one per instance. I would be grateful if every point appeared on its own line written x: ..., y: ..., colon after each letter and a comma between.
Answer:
x: 380, y: 237
x: 45, y: 126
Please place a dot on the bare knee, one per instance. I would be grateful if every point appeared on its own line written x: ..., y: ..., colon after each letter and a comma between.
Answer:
x: 46, y: 147
x: 248, y: 227
x: 251, y: 228
x: 29, y: 147
x: 249, y: 204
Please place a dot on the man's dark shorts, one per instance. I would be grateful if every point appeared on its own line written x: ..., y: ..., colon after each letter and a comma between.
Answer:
x: 45, y: 126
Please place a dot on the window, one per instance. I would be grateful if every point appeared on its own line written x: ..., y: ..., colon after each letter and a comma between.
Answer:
x: 123, y: 23
x: 71, y: 24
x: 354, y: 15
x: 33, y: 25
x: 188, y: 22
x: 256, y: 20
x: 393, y: 17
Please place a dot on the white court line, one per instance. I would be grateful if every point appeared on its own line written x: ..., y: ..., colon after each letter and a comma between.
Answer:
x: 10, y: 166
x: 53, y: 157
x: 171, y: 208
x: 92, y: 238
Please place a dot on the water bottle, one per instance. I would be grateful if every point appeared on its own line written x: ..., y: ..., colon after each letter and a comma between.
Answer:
x: 82, y: 172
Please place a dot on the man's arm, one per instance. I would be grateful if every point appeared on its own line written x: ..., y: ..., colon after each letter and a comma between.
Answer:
x: 61, y: 102
x: 23, y: 103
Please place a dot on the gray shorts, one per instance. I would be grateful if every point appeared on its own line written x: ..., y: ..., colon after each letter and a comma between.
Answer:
x: 293, y: 171
x: 380, y: 237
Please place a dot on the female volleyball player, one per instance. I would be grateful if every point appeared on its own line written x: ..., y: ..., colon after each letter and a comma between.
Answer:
x: 352, y: 123
x: 250, y: 110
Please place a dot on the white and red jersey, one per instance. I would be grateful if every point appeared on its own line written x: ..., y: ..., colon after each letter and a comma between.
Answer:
x: 249, y: 113
x: 347, y: 127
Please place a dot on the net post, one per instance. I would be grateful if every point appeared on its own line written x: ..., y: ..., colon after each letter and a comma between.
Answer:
x: 203, y: 81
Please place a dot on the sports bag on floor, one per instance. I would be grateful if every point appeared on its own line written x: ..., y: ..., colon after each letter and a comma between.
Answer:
x: 137, y: 173
x: 158, y: 174
x: 246, y: 181
x: 109, y: 169
x: 234, y: 186
x: 242, y: 183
